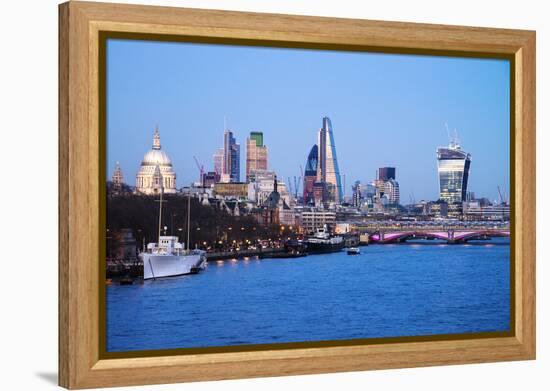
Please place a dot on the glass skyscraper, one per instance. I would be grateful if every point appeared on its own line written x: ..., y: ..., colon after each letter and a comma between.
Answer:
x: 231, y: 157
x: 327, y: 170
x: 453, y: 166
x: 256, y: 154
x: 310, y: 175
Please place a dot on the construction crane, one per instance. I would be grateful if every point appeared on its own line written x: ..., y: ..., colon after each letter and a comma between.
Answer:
x: 201, y: 171
x: 500, y: 195
x: 296, y: 186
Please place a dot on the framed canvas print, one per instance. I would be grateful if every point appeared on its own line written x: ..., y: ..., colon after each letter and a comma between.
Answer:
x: 247, y: 195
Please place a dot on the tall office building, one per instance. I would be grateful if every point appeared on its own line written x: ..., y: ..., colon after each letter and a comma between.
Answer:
x: 327, y: 169
x: 386, y: 188
x: 218, y: 161
x: 386, y: 173
x: 256, y: 153
x: 310, y: 174
x: 231, y: 167
x: 356, y: 196
x: 391, y: 190
x: 453, y: 167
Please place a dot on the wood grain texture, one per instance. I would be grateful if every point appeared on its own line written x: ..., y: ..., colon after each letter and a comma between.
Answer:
x: 64, y: 354
x: 80, y: 365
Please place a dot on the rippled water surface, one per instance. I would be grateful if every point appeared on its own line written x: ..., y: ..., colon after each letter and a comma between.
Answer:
x: 386, y: 291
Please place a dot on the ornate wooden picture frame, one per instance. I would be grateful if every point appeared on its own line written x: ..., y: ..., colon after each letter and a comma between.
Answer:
x: 83, y: 27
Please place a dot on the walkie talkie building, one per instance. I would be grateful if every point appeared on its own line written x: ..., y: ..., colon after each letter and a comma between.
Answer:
x: 453, y: 166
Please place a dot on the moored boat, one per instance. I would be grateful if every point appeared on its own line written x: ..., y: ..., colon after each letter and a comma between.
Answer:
x: 168, y: 257
x: 323, y: 242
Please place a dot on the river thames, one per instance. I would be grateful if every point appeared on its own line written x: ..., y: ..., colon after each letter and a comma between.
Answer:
x: 386, y: 291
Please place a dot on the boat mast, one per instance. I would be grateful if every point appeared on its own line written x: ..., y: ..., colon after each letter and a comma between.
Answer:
x: 160, y: 216
x: 188, y: 216
x: 159, y: 180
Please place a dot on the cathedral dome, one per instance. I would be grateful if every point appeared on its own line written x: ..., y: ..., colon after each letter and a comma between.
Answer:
x: 156, y: 157
x: 156, y: 171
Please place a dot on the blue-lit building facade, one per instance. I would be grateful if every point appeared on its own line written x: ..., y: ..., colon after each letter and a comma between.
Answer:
x: 231, y: 157
x: 310, y: 175
x: 453, y: 166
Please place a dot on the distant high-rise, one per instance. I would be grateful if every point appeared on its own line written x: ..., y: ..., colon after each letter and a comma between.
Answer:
x: 218, y: 161
x: 256, y: 153
x: 391, y: 190
x: 453, y: 167
x: 356, y: 196
x: 386, y: 173
x: 231, y: 157
x: 310, y: 174
x: 327, y: 169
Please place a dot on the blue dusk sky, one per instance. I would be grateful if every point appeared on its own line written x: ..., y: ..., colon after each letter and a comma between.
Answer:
x: 386, y: 110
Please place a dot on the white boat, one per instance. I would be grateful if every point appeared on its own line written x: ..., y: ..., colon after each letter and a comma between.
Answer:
x: 354, y: 251
x: 170, y: 259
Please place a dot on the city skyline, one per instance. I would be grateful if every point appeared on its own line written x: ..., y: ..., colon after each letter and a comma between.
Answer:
x: 365, y: 140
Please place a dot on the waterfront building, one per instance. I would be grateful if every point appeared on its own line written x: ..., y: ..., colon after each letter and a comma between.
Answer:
x: 327, y: 168
x: 312, y: 219
x: 310, y: 175
x: 261, y: 185
x: 231, y: 166
x: 438, y: 208
x: 256, y: 153
x: 475, y: 210
x: 453, y: 167
x: 156, y: 171
x: 232, y: 190
x: 287, y: 216
x: 455, y: 210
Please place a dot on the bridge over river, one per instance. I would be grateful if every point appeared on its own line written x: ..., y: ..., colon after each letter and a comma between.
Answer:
x: 451, y: 236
